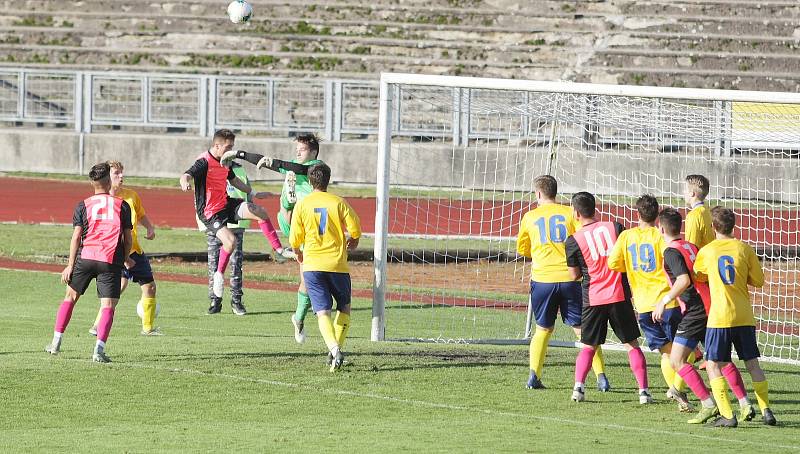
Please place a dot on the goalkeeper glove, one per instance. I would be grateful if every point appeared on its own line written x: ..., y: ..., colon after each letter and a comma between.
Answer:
x: 264, y: 163
x: 227, y: 158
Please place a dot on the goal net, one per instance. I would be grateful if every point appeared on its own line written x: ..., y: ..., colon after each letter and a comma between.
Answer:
x: 457, y: 157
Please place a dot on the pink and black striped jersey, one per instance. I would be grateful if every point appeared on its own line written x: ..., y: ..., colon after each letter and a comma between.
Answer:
x: 588, y: 249
x: 103, y: 219
x: 210, y: 185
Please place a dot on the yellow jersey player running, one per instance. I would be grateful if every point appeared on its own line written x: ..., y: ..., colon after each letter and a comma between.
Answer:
x: 319, y: 223
x: 638, y: 252
x: 542, y: 234
x: 730, y: 266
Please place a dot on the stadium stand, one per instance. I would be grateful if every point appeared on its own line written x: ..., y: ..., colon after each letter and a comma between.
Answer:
x: 685, y: 43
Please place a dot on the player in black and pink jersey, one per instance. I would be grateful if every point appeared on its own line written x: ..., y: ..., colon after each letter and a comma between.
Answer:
x: 101, y: 240
x: 606, y: 296
x: 215, y: 209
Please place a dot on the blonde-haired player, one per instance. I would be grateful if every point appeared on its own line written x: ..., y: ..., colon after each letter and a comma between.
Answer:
x: 639, y: 252
x: 542, y: 234
x: 730, y: 265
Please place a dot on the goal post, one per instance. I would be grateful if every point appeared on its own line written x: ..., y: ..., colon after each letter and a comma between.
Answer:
x: 457, y: 157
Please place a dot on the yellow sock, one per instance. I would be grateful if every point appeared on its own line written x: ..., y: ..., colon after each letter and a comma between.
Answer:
x: 539, y: 350
x: 598, y: 362
x: 667, y: 371
x: 678, y: 383
x: 340, y: 326
x: 691, y: 358
x: 327, y: 331
x: 149, y: 309
x: 762, y: 394
x: 97, y: 319
x: 719, y: 388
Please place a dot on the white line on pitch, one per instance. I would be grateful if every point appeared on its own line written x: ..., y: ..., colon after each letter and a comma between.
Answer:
x: 422, y: 403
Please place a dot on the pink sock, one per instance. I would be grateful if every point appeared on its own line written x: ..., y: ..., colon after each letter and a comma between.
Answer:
x: 269, y: 232
x: 583, y: 363
x: 689, y: 374
x: 63, y: 315
x: 224, y: 258
x: 734, y: 379
x: 106, y: 320
x: 638, y: 366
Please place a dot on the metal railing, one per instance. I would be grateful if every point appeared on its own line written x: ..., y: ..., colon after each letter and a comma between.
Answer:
x: 86, y: 100
x: 199, y: 104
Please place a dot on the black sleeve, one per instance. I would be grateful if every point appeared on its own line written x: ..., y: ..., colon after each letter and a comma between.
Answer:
x: 200, y: 167
x: 573, y: 252
x: 277, y: 164
x: 619, y: 228
x: 673, y: 260
x: 298, y: 169
x: 252, y: 158
x: 79, y: 215
x: 125, y: 216
x: 231, y: 175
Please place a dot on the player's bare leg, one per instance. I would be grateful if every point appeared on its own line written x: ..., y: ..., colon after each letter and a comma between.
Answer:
x: 761, y: 389
x: 675, y: 384
x: 679, y: 359
x: 255, y: 212
x: 228, y: 240
x: 719, y: 388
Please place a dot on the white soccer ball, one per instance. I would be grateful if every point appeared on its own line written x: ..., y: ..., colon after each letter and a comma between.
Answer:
x: 140, y: 309
x: 239, y: 11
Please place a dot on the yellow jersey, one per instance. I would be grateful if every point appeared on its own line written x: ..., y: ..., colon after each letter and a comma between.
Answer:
x: 137, y: 212
x: 639, y: 252
x: 729, y: 266
x: 699, y: 230
x: 318, y: 223
x: 542, y: 233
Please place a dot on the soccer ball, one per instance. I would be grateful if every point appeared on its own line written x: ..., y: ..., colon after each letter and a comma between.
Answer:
x: 140, y: 309
x: 239, y: 11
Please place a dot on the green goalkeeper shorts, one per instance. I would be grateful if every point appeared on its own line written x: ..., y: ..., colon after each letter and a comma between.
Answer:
x: 283, y: 224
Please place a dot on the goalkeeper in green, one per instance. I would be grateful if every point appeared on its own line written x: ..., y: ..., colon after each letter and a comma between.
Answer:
x: 295, y: 188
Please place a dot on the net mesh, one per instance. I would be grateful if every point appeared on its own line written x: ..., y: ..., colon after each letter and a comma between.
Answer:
x: 461, y: 166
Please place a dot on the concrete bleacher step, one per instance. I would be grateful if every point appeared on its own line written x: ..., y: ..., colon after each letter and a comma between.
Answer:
x: 739, y: 62
x: 222, y: 58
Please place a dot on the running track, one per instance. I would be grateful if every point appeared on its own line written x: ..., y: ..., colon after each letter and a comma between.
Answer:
x: 29, y: 200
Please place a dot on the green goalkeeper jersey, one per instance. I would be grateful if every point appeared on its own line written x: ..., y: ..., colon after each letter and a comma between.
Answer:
x: 302, y: 187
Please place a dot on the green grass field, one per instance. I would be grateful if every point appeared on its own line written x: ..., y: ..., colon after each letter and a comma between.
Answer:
x: 242, y: 383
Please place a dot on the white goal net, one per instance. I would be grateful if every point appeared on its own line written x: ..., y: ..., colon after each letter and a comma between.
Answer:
x: 458, y: 156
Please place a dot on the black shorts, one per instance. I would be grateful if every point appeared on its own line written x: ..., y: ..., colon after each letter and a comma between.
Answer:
x: 693, y: 323
x: 595, y: 320
x: 109, y: 277
x: 224, y: 216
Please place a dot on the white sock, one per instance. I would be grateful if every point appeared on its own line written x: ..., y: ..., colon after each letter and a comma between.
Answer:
x: 99, y: 346
x: 708, y: 403
x: 645, y: 390
x: 57, y: 337
x: 578, y: 386
x: 744, y: 401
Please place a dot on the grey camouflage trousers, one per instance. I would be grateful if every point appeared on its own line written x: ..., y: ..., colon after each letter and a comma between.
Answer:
x: 235, y: 265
